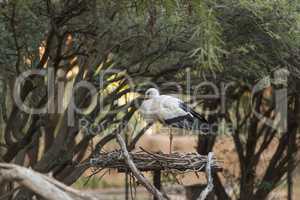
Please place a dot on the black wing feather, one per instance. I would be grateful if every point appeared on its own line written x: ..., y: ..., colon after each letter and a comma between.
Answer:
x: 188, y: 109
x: 191, y: 121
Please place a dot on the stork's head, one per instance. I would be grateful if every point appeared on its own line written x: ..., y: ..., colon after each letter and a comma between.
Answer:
x: 152, y: 92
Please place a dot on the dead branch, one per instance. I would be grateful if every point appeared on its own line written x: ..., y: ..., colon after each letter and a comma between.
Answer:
x: 40, y: 184
x: 138, y: 175
x: 210, y: 184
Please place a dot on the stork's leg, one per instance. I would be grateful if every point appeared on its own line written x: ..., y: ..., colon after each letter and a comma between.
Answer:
x: 171, y: 141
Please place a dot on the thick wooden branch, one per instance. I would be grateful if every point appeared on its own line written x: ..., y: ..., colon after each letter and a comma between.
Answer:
x: 138, y: 175
x: 40, y: 184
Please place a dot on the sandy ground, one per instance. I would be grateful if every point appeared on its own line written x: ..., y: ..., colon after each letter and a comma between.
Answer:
x: 175, y: 193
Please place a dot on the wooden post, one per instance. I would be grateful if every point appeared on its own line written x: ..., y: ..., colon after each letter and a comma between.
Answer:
x: 157, y: 180
x: 126, y: 186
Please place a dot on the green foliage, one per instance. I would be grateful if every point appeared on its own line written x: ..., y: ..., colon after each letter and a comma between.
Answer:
x: 260, y: 36
x: 208, y: 33
x: 217, y: 35
x: 23, y: 28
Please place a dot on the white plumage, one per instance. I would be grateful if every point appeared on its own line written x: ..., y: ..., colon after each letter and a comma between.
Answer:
x: 170, y: 110
x: 162, y: 107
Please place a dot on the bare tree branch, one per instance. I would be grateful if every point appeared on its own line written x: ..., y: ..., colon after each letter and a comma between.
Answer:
x: 138, y: 175
x: 210, y: 185
x: 40, y: 184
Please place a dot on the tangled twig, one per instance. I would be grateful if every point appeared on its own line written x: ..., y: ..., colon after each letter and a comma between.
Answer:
x: 148, y: 161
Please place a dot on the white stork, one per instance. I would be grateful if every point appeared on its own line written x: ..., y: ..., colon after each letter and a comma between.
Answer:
x: 172, y: 111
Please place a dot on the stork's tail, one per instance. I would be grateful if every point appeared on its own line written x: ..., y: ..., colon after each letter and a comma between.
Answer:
x: 196, y: 125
